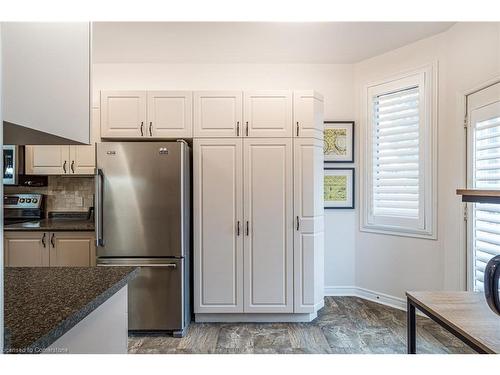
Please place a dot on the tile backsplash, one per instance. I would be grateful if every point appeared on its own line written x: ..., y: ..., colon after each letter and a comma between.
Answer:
x: 63, y: 193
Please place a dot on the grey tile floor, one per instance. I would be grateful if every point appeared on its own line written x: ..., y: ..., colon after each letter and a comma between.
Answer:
x: 344, y: 325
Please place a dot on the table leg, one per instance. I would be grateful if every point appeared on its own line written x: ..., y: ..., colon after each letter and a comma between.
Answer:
x: 411, y: 327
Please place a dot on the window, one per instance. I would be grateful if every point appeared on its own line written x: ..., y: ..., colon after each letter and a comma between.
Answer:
x: 399, y: 161
x: 483, y: 110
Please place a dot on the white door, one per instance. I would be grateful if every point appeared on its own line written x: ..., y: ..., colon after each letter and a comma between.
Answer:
x: 170, y: 114
x: 268, y: 113
x: 218, y: 229
x: 123, y: 114
x: 268, y: 210
x: 307, y: 114
x: 82, y: 158
x: 483, y: 108
x: 26, y: 249
x: 72, y: 249
x: 218, y: 114
x: 48, y: 160
x: 309, y: 224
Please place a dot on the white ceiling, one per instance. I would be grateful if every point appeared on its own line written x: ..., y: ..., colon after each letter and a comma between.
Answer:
x: 253, y: 42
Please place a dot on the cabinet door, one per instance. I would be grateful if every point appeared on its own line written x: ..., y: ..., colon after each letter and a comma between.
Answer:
x: 218, y: 114
x: 82, y: 158
x: 47, y: 160
x: 123, y: 114
x: 308, y: 228
x: 268, y: 113
x: 170, y: 114
x: 72, y: 249
x: 268, y: 201
x: 308, y: 114
x: 218, y: 228
x: 26, y: 249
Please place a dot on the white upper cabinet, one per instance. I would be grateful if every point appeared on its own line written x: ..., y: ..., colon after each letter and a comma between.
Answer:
x: 268, y: 211
x: 123, y: 114
x: 46, y: 81
x: 146, y: 114
x: 218, y: 232
x: 307, y: 114
x: 268, y: 113
x: 218, y: 114
x: 63, y: 160
x: 170, y: 114
x: 47, y: 160
x: 309, y: 224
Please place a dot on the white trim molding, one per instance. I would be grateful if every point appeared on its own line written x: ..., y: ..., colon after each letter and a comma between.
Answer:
x: 425, y: 226
x: 370, y: 295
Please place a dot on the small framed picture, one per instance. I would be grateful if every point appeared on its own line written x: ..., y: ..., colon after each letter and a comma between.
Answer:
x: 339, y: 142
x: 339, y: 187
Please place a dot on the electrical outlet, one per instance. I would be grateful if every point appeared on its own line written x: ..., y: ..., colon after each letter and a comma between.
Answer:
x: 79, y: 201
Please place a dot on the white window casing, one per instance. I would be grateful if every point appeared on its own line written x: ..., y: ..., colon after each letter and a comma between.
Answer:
x: 398, y: 172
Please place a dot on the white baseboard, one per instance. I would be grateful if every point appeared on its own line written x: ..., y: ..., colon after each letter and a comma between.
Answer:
x: 370, y: 295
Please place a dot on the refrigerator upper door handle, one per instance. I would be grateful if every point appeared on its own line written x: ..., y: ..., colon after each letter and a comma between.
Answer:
x: 98, y: 211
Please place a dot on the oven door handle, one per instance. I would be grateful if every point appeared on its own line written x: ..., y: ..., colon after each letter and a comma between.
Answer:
x: 98, y: 211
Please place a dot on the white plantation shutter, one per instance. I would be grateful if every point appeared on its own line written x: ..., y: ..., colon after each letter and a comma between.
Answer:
x: 399, y: 160
x: 486, y: 175
x: 396, y: 154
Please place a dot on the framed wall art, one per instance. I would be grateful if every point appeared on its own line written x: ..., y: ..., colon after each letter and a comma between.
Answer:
x: 339, y: 142
x: 339, y: 188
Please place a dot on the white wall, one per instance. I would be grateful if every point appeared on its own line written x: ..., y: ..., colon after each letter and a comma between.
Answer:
x: 335, y: 82
x: 468, y: 54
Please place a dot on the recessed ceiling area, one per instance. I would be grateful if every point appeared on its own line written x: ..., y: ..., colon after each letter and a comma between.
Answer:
x: 253, y: 42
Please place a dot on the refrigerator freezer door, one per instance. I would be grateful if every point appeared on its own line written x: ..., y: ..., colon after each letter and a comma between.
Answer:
x: 142, y: 199
x: 156, y: 295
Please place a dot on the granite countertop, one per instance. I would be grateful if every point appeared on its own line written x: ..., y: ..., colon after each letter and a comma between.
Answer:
x: 42, y: 303
x: 62, y: 225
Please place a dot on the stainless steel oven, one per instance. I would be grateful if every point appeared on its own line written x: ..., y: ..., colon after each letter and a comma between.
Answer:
x: 10, y: 164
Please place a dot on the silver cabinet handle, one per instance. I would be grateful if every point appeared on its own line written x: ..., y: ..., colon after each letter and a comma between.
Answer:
x: 73, y: 166
x: 247, y: 229
x: 43, y: 240
x: 238, y: 228
x: 237, y: 128
x: 246, y: 131
x: 158, y: 265
x: 297, y: 128
x: 52, y: 240
x: 298, y: 223
x: 98, y: 211
x: 64, y: 166
x: 150, y: 126
x: 142, y: 127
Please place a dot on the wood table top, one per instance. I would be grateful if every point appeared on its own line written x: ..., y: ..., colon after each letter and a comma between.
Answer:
x: 466, y: 312
x: 479, y: 195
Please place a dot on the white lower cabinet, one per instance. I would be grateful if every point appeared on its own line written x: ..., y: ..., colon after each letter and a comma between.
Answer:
x: 44, y: 249
x: 218, y: 235
x: 268, y: 212
x: 309, y: 225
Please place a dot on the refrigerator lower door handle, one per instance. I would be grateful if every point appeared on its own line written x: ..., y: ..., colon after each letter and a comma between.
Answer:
x: 159, y: 265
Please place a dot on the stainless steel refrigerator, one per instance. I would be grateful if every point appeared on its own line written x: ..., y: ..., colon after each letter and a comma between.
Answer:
x: 142, y: 214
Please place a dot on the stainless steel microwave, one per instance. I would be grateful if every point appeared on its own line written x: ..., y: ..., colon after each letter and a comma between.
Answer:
x: 10, y: 164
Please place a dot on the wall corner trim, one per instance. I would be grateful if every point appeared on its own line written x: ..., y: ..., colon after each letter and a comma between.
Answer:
x: 370, y: 295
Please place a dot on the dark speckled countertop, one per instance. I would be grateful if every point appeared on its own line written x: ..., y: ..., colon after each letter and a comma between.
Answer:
x: 61, y: 225
x: 42, y: 303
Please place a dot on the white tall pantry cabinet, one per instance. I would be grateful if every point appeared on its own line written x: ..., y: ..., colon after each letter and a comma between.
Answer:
x: 258, y: 205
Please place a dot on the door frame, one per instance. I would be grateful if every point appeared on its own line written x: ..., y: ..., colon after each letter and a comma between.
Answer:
x: 466, y: 262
